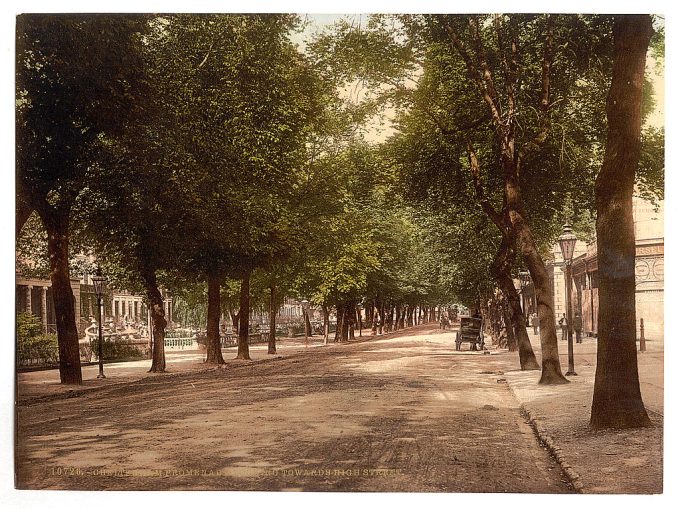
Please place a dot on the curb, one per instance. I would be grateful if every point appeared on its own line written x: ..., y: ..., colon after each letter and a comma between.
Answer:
x: 556, y: 451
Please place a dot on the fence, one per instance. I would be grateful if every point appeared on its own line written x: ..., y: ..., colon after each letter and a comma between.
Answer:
x: 253, y: 338
x: 181, y: 343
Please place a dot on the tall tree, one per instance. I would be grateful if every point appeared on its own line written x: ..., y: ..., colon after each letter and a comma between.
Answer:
x: 76, y: 76
x: 617, y: 402
x: 512, y: 220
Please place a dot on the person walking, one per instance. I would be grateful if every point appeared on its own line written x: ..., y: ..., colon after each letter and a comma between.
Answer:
x: 578, y: 327
x: 563, y: 326
x: 534, y: 323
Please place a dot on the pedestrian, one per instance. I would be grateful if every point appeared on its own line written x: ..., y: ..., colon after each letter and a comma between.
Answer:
x: 578, y: 327
x: 534, y: 322
x: 563, y: 326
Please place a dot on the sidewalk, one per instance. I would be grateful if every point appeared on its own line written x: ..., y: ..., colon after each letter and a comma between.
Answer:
x: 626, y: 461
x: 40, y: 385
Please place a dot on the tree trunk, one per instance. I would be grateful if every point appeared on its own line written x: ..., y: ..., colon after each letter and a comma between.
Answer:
x: 340, y: 315
x: 244, y: 315
x: 326, y: 324
x: 158, y: 322
x: 234, y: 321
x: 360, y: 324
x: 271, y: 347
x: 308, y: 324
x: 344, y: 336
x: 527, y: 358
x: 57, y: 226
x: 500, y: 268
x: 214, y: 346
x: 352, y: 316
x: 551, y: 372
x: 617, y: 402
x: 509, y: 327
x: 498, y: 326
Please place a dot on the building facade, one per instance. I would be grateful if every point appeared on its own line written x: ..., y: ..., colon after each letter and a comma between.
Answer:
x: 34, y: 295
x: 649, y: 275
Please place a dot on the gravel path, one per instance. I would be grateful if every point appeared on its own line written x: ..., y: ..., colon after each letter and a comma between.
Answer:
x: 405, y: 413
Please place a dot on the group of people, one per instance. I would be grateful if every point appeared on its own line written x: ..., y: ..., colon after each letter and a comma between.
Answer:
x: 578, y: 325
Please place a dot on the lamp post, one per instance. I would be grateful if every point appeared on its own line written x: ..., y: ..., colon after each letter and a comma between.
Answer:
x: 523, y: 283
x: 305, y: 308
x: 98, y: 282
x: 567, y: 243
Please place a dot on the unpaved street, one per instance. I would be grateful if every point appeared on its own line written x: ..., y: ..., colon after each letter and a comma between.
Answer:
x: 398, y: 414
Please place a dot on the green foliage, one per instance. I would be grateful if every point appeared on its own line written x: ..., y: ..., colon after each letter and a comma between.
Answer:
x: 75, y: 77
x: 118, y: 350
x: 32, y: 344
x: 28, y: 326
x: 185, y: 145
x: 651, y: 168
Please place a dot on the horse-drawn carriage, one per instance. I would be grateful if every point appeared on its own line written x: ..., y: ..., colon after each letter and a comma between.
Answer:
x: 470, y: 331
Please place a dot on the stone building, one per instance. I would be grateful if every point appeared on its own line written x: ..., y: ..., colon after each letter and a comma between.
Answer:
x: 649, y: 275
x: 35, y: 295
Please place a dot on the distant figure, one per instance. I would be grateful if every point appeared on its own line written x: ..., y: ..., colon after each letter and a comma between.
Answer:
x: 534, y: 322
x: 477, y: 314
x: 563, y: 326
x: 578, y: 327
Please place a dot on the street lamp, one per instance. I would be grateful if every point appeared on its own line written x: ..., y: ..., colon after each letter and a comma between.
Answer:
x: 98, y: 282
x: 523, y: 283
x: 305, y: 308
x: 567, y: 243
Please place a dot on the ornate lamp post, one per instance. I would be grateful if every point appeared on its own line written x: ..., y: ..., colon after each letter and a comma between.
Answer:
x: 523, y: 283
x: 305, y: 309
x: 98, y: 281
x: 567, y: 243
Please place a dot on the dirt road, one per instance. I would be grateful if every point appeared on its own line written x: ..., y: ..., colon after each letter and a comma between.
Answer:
x: 400, y: 414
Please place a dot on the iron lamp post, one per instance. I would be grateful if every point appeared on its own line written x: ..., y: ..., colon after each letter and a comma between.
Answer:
x: 523, y: 283
x: 567, y: 243
x: 98, y: 281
